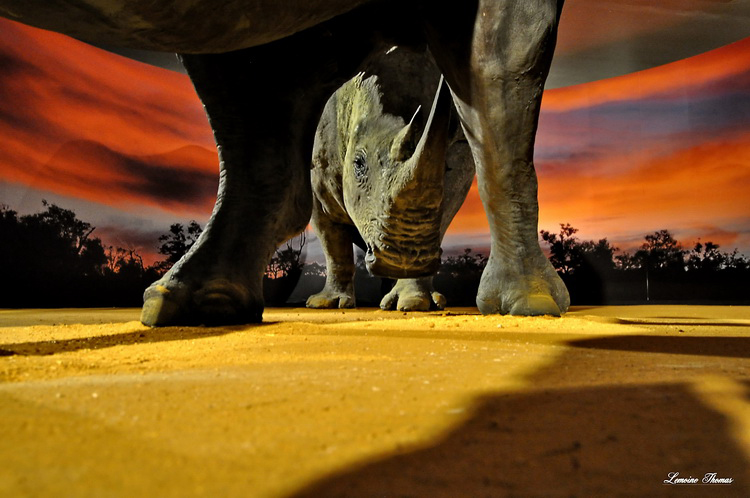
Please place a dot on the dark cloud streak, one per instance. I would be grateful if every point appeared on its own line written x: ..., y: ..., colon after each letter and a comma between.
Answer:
x: 153, y: 179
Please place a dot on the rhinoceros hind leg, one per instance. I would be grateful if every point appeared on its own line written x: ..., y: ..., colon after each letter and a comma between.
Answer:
x: 413, y: 294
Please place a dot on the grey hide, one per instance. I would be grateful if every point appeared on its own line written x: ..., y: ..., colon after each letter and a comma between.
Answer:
x: 388, y: 181
x: 264, y: 70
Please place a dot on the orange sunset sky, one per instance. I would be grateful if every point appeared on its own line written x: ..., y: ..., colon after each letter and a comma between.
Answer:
x: 126, y: 146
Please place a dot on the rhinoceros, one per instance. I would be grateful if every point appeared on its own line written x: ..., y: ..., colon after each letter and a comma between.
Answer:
x: 381, y: 183
x: 264, y: 70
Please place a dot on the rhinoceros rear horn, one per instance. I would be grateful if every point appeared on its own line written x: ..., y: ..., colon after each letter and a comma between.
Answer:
x: 405, y: 142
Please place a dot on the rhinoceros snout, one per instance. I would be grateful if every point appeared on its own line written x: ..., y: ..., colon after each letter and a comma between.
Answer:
x: 403, y: 264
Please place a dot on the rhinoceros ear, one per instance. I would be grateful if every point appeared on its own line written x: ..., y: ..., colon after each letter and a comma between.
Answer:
x: 405, y: 142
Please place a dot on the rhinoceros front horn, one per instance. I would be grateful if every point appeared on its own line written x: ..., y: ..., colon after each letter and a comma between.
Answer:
x: 427, y: 164
x: 411, y: 245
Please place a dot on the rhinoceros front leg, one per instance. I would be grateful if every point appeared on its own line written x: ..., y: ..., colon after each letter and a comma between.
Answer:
x: 413, y: 294
x: 338, y: 291
x: 498, y: 90
x: 263, y: 114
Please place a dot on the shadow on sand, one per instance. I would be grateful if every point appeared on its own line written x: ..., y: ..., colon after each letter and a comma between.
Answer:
x: 44, y: 348
x: 620, y: 438
x: 727, y: 347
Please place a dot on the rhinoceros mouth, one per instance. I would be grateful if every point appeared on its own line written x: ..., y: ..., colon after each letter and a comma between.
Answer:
x: 406, y: 242
x: 380, y: 267
x: 394, y: 262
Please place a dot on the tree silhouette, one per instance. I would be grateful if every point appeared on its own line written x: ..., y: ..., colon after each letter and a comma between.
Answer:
x: 284, y: 271
x: 314, y: 269
x: 583, y: 266
x: 627, y: 262
x: 177, y: 243
x: 65, y: 242
x: 53, y: 244
x: 467, y: 263
x: 458, y: 277
x: 565, y: 254
x: 124, y: 262
x: 599, y: 255
x: 569, y: 255
x: 707, y: 257
x: 51, y: 258
x: 287, y: 261
x: 661, y: 252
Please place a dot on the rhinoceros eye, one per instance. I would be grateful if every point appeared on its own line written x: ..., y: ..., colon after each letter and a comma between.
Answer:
x: 360, y: 165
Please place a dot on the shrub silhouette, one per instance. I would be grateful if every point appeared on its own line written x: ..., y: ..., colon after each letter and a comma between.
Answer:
x: 53, y: 259
x: 458, y: 277
x: 660, y: 270
x: 177, y: 243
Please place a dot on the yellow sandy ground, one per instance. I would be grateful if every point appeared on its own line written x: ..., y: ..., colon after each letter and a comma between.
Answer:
x: 603, y: 402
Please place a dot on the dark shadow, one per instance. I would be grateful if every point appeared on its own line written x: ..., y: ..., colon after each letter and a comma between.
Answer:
x: 587, y: 427
x: 680, y: 322
x: 592, y: 441
x: 44, y: 348
x: 727, y: 347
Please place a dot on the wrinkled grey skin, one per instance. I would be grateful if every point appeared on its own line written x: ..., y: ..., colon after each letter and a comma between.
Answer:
x: 385, y: 184
x: 264, y: 70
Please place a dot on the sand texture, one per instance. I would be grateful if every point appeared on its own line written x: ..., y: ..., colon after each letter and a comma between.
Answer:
x: 606, y: 401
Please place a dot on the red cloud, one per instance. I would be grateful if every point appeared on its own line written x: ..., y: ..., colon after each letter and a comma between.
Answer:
x: 683, y: 75
x: 83, y: 122
x: 705, y: 185
x: 700, y: 188
x: 57, y: 91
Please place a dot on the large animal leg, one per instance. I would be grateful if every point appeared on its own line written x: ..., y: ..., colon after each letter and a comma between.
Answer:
x: 263, y: 105
x: 338, y: 291
x: 496, y: 64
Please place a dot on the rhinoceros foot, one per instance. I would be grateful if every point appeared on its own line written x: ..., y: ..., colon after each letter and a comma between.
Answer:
x: 216, y: 302
x: 327, y: 299
x: 536, y: 291
x: 412, y: 294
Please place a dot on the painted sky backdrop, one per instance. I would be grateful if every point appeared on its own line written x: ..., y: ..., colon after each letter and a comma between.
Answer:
x: 126, y: 145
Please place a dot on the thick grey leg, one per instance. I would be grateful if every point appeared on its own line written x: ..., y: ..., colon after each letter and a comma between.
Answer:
x: 338, y: 291
x: 263, y: 105
x: 264, y: 197
x: 497, y: 82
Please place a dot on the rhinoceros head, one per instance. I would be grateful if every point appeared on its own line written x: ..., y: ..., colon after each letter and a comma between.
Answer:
x: 393, y: 176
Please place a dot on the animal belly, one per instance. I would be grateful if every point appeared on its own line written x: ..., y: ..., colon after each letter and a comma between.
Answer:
x: 197, y: 26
